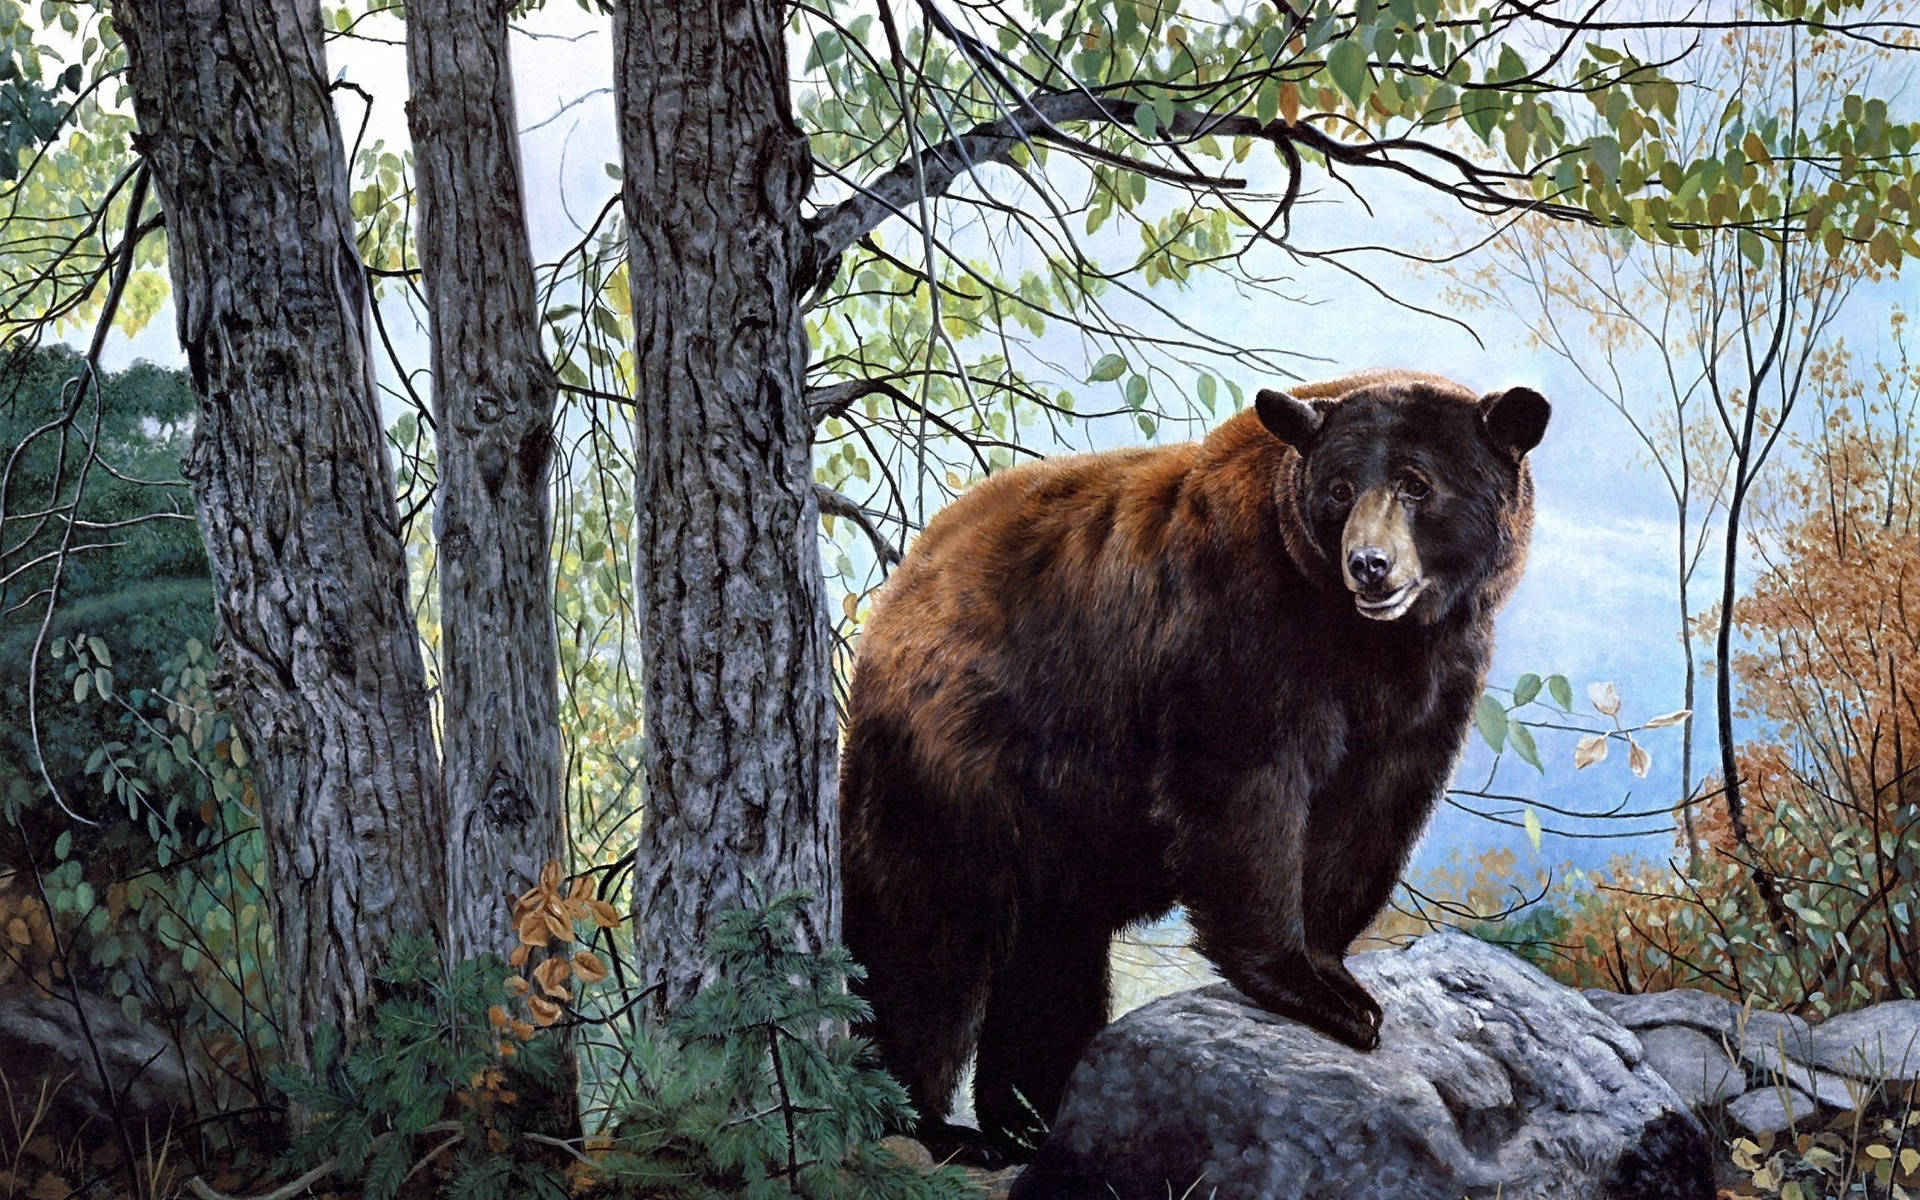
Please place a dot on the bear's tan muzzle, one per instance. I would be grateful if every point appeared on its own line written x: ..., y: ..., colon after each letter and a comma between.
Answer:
x: 1378, y: 559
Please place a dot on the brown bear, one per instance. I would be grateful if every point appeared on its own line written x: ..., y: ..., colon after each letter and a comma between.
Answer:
x: 1232, y: 674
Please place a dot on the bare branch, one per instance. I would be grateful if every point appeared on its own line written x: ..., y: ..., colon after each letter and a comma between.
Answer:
x: 842, y: 505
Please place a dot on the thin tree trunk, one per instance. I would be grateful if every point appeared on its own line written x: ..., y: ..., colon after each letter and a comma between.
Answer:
x: 294, y: 488
x: 493, y: 402
x: 740, y: 771
x: 1692, y: 680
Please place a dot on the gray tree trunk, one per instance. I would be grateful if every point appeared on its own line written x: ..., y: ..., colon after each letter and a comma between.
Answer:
x: 493, y: 403
x: 734, y: 638
x: 294, y: 488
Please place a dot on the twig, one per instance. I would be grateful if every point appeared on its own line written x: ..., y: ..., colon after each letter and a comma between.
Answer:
x: 204, y: 1190
x: 843, y: 505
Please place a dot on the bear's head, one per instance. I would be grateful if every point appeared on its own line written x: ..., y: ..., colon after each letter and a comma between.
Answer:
x: 1409, y: 492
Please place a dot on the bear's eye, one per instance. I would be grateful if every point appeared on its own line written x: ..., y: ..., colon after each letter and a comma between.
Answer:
x: 1415, y: 488
x: 1340, y: 491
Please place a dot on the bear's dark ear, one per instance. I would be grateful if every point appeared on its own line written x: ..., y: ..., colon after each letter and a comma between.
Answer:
x: 1515, y: 420
x: 1295, y: 422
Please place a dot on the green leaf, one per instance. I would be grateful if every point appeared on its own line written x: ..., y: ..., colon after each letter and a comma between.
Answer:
x: 63, y: 845
x: 1531, y: 820
x: 99, y: 649
x: 1561, y: 690
x: 1480, y: 108
x: 1665, y: 96
x: 1136, y: 390
x: 1752, y: 248
x: 1208, y: 391
x: 1512, y: 66
x: 1491, y: 719
x: 1521, y: 739
x: 1525, y: 689
x: 1606, y: 155
x: 1109, y: 368
x: 1347, y: 64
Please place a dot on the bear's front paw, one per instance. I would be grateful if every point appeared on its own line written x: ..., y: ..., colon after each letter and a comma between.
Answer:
x: 1328, y: 1001
x: 1353, y: 1029
x: 1333, y: 972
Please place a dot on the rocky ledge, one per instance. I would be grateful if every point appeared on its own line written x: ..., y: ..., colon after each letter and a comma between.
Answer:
x: 1490, y: 1080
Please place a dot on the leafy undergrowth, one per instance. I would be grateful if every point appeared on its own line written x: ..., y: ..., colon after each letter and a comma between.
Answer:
x: 1870, y: 1154
x: 41, y: 1162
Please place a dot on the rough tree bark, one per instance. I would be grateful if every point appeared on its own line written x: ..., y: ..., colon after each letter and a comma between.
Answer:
x: 293, y: 484
x: 493, y: 403
x: 741, y: 767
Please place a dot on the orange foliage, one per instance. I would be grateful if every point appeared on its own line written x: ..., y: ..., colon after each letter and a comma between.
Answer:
x: 543, y: 918
x: 1830, y: 671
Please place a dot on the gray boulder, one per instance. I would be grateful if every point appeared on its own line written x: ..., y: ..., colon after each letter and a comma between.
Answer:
x: 1681, y: 1006
x: 43, y: 1044
x: 1695, y: 1063
x: 1770, y: 1109
x: 1490, y: 1079
x: 1881, y: 1042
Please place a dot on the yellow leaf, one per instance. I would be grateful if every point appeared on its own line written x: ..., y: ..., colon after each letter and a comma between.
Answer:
x: 1638, y: 760
x: 1876, y: 1150
x: 551, y: 875
x: 604, y: 914
x: 1666, y: 719
x: 1289, y: 102
x: 582, y: 888
x: 1910, y: 1160
x: 1605, y: 698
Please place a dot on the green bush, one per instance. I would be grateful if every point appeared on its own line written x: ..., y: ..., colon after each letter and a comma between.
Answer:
x: 433, y: 1067
x: 750, y: 1090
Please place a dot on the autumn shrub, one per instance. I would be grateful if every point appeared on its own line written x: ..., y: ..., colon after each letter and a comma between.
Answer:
x: 1806, y: 898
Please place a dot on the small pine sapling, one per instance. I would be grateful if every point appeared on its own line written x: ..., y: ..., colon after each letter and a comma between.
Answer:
x: 426, y: 1099
x: 752, y: 1089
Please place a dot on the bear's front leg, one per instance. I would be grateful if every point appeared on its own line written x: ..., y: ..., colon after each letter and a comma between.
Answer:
x: 1240, y: 872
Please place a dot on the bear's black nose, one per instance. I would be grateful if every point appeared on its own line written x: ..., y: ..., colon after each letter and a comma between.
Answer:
x: 1369, y: 566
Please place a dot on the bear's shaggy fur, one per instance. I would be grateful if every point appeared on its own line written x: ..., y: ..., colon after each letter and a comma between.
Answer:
x: 1232, y: 674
